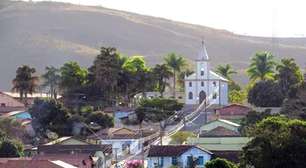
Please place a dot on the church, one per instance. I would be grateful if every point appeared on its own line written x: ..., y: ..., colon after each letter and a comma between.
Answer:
x: 204, y: 84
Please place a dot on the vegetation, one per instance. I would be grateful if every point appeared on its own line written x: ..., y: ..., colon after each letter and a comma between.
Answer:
x: 237, y: 96
x: 266, y: 94
x: 11, y: 148
x: 277, y: 142
x: 25, y: 82
x: 220, y: 163
x: 176, y: 63
x: 162, y: 73
x: 181, y: 137
x: 226, y: 71
x: 262, y: 66
x: 51, y: 81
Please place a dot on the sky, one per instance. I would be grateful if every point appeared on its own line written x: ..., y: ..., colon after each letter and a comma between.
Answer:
x: 270, y: 18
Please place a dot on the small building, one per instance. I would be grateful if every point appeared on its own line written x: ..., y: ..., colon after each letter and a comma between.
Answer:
x: 9, y: 103
x: 219, y: 123
x: 177, y: 155
x: 231, y: 112
x: 124, y: 141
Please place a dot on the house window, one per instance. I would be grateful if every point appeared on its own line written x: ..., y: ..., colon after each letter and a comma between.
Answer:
x: 200, y: 160
x: 202, y: 73
x: 189, y: 160
x: 215, y: 95
x: 202, y: 83
x: 190, y: 95
x: 190, y: 84
x: 3, y: 104
x: 174, y: 160
x: 214, y: 83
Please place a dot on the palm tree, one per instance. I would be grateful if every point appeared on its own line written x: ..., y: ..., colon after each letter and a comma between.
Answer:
x: 182, y: 75
x: 226, y: 71
x: 162, y: 73
x: 176, y: 63
x: 52, y: 80
x: 25, y: 82
x: 262, y: 66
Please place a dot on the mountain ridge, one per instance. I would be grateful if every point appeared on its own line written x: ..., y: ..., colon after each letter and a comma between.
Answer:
x: 51, y: 33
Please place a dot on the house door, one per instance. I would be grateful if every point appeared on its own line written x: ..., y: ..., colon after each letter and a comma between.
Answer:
x: 202, y: 96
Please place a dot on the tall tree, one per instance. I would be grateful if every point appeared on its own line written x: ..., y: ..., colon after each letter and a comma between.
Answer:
x: 105, y: 72
x: 72, y: 77
x: 162, y: 73
x: 176, y: 63
x: 182, y: 75
x: 25, y: 83
x: 226, y: 71
x: 51, y: 81
x: 262, y: 66
x: 289, y: 76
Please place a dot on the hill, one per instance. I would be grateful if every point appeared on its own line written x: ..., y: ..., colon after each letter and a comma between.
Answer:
x: 49, y: 33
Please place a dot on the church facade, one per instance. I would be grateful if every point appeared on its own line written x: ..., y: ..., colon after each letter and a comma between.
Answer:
x: 204, y: 84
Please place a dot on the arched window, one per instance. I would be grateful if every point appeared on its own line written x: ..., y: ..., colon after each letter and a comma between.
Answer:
x: 190, y: 95
x: 190, y: 84
x: 202, y: 83
x: 202, y: 73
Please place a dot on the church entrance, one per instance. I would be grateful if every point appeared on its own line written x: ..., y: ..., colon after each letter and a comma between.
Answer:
x: 202, y: 96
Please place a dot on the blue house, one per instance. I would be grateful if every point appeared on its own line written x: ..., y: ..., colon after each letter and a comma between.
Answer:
x: 183, y: 156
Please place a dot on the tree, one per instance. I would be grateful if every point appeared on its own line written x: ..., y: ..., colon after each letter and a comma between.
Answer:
x: 181, y: 137
x: 162, y: 73
x: 277, y: 142
x: 266, y: 94
x: 12, y: 129
x: 158, y: 110
x: 48, y: 114
x: 182, y: 75
x: 236, y: 96
x: 289, y: 76
x: 72, y: 77
x: 262, y: 66
x: 226, y: 71
x: 11, y: 148
x: 176, y: 63
x: 52, y: 80
x: 101, y: 119
x: 25, y: 83
x: 141, y: 77
x: 220, y: 163
x: 105, y: 72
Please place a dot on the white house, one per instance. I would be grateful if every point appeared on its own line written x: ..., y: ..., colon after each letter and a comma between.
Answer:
x: 179, y: 155
x: 123, y: 140
x: 205, y: 84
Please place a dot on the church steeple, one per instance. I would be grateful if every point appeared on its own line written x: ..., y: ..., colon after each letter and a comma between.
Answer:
x: 203, y: 56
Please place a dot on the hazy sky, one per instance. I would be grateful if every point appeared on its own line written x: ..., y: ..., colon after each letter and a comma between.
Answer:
x: 251, y: 17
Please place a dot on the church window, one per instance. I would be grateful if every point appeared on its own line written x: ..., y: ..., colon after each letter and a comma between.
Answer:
x: 202, y: 73
x: 202, y: 83
x: 215, y: 95
x: 214, y: 83
x: 190, y: 84
x: 190, y: 95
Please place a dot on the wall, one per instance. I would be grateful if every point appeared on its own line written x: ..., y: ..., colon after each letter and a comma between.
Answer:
x: 135, y: 145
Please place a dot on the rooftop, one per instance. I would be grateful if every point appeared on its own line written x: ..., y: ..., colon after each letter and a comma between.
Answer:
x: 171, y: 150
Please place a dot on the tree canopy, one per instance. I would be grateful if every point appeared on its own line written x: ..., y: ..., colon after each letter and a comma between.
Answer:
x: 220, y: 163
x: 262, y: 66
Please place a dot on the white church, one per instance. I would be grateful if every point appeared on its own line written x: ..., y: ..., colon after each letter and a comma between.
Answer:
x: 204, y: 84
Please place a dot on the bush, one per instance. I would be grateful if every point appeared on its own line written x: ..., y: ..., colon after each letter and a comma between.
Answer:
x: 11, y: 148
x: 220, y: 163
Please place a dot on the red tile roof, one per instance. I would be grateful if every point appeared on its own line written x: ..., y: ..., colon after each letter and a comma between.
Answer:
x: 220, y: 132
x: 73, y: 159
x: 234, y: 109
x: 171, y: 150
x: 115, y: 133
x: 29, y: 164
x: 69, y: 149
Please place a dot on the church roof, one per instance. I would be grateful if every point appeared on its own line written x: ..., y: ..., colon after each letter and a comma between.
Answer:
x: 203, y: 56
x: 212, y: 75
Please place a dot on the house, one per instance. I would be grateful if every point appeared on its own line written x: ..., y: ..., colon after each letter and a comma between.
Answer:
x: 223, y: 147
x: 219, y: 123
x: 29, y: 163
x: 177, y: 155
x: 124, y: 141
x: 231, y: 112
x: 204, y: 84
x: 73, y: 151
x: 9, y: 103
